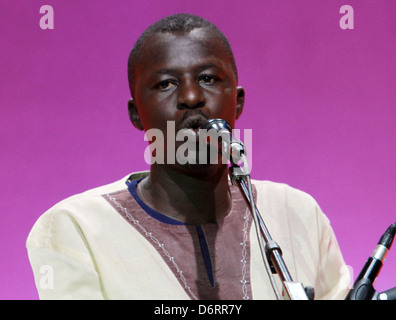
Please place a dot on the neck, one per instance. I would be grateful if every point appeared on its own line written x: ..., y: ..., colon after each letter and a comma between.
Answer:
x: 197, y: 199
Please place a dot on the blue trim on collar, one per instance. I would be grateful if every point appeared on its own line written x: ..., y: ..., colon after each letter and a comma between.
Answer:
x: 132, y: 188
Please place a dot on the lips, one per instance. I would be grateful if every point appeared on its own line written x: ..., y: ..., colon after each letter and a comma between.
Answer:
x: 189, y: 126
x: 194, y: 122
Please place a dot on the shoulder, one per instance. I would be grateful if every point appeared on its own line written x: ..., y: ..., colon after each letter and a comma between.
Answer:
x: 283, y: 193
x: 65, y: 218
x: 295, y: 205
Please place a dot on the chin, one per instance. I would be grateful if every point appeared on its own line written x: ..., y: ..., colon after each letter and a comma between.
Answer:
x: 200, y: 171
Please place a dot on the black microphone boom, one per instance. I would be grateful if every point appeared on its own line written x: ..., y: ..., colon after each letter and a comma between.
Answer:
x: 363, y: 287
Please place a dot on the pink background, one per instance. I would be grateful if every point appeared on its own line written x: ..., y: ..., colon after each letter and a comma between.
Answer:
x: 320, y: 101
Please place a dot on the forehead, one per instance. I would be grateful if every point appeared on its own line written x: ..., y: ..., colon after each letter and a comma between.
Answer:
x: 183, y: 49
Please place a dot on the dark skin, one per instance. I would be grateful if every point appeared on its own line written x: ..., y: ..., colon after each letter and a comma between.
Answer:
x: 181, y: 76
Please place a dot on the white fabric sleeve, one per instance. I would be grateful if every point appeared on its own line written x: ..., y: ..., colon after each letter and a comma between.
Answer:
x: 62, y: 264
x: 333, y: 281
x: 61, y: 277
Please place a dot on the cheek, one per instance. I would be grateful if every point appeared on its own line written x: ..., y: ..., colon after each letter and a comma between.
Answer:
x: 155, y: 111
x: 226, y: 105
x: 229, y: 96
x: 229, y: 92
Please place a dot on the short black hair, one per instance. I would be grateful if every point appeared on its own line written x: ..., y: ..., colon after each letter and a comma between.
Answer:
x: 177, y: 23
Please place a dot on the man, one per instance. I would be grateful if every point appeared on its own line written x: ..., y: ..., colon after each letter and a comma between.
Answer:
x: 181, y: 231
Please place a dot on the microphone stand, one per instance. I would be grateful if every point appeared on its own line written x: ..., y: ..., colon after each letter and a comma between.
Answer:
x: 270, y: 250
x: 386, y: 295
x: 363, y: 288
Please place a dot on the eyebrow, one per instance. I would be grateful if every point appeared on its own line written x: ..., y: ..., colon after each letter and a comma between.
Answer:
x: 207, y: 66
x: 165, y: 71
x: 199, y: 69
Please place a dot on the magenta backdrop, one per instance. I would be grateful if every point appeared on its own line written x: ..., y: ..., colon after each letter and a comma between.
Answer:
x: 320, y: 101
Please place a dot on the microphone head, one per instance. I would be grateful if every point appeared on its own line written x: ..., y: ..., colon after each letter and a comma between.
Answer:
x: 387, y: 239
x: 217, y: 124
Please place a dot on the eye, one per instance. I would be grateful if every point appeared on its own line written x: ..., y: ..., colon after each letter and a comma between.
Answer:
x: 166, y: 85
x: 207, y: 79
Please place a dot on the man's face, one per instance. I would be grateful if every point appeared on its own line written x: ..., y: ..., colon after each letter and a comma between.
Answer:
x: 187, y: 78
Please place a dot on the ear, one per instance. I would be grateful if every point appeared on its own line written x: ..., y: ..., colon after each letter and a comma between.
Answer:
x: 240, y: 102
x: 134, y: 115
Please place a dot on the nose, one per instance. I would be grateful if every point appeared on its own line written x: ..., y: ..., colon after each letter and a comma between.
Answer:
x: 190, y: 95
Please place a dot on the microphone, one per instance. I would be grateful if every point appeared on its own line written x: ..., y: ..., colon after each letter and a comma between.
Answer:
x: 363, y: 286
x: 233, y: 149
